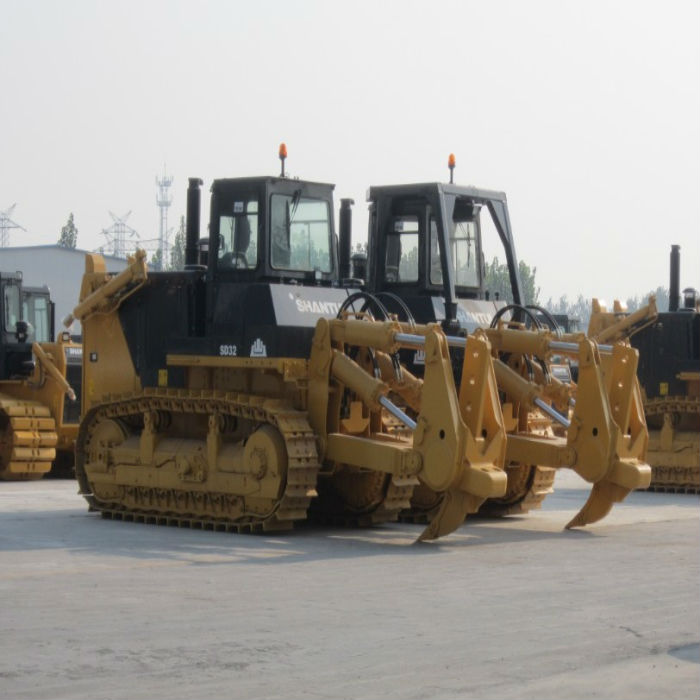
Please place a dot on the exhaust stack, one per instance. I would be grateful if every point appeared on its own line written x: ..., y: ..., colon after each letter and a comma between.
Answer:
x: 194, y: 203
x: 345, y: 237
x: 675, y: 283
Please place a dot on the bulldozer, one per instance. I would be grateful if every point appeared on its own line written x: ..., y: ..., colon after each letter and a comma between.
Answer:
x: 254, y: 390
x: 669, y: 371
x: 39, y: 409
x: 426, y: 264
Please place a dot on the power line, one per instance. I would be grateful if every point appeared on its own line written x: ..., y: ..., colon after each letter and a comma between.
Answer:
x: 6, y: 223
x: 116, y: 234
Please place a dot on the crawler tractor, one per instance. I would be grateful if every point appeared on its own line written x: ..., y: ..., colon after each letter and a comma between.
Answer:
x: 669, y: 371
x: 39, y: 410
x: 254, y: 391
x: 237, y: 395
x: 426, y: 264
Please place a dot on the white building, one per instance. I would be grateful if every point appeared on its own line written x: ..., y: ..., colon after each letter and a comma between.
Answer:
x: 60, y: 269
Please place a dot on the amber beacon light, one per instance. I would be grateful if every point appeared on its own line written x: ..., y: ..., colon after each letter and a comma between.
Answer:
x: 283, y: 156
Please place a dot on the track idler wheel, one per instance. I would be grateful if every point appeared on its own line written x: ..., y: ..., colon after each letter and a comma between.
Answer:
x: 265, y: 457
x: 96, y: 458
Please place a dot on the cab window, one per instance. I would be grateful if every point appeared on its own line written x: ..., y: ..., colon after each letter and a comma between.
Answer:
x: 35, y: 310
x: 401, y: 263
x: 10, y: 295
x: 238, y: 236
x: 462, y: 241
x: 301, y: 233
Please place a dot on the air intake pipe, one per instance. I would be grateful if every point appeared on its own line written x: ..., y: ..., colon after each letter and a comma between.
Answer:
x: 345, y: 237
x: 194, y: 204
x: 675, y: 283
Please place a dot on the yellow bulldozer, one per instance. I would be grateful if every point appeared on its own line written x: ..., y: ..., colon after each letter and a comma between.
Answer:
x: 427, y: 251
x: 668, y: 344
x: 254, y: 389
x: 39, y: 409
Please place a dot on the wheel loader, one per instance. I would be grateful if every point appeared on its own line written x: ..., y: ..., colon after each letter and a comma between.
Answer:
x: 255, y: 391
x: 39, y: 409
x: 669, y: 370
x: 426, y: 264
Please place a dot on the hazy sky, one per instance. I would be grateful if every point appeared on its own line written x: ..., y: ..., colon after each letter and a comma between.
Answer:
x: 587, y: 114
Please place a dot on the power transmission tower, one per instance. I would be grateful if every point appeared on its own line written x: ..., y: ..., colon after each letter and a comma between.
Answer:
x: 116, y: 234
x: 6, y: 223
x: 164, y: 199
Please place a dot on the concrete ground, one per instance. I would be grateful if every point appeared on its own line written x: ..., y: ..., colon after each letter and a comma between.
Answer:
x: 515, y: 608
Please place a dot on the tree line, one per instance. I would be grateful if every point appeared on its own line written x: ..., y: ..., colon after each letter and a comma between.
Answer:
x: 498, y: 280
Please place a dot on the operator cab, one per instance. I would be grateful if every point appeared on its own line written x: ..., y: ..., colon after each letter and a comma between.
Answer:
x: 429, y: 236
x: 269, y: 229
x: 272, y: 267
x: 426, y: 245
x: 16, y: 360
x: 271, y: 272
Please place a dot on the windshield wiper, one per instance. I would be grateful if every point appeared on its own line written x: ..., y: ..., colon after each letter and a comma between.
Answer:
x: 296, y: 198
